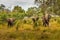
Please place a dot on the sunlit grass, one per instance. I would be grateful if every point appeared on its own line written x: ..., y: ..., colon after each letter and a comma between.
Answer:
x: 28, y: 32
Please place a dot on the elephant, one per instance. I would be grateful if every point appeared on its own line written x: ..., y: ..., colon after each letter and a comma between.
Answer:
x: 10, y: 21
x: 46, y: 19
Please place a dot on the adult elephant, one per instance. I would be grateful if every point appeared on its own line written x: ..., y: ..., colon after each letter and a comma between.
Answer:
x: 35, y: 19
x: 10, y: 21
x: 46, y: 19
x: 25, y: 19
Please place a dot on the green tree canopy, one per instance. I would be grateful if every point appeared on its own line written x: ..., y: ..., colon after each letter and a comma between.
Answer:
x: 18, y: 9
x: 52, y: 5
x: 31, y: 11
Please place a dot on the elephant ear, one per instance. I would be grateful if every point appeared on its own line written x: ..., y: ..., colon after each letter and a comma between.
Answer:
x: 8, y: 19
x: 37, y: 18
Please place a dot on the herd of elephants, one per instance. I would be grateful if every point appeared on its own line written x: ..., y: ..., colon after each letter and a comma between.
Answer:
x: 45, y: 20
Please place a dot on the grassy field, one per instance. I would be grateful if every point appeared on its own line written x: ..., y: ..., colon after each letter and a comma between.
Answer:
x: 27, y: 32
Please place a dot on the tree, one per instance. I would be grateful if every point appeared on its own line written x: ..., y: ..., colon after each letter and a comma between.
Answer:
x: 51, y: 5
x: 18, y: 9
x: 18, y: 12
x: 31, y: 11
x: 2, y: 6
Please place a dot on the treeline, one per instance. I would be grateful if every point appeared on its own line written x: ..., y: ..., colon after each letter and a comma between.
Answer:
x: 19, y: 13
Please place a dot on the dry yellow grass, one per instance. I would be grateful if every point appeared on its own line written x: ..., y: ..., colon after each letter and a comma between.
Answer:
x: 53, y: 25
x: 29, y: 33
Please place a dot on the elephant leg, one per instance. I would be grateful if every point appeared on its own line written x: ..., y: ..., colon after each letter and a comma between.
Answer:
x: 44, y: 23
x: 10, y: 24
